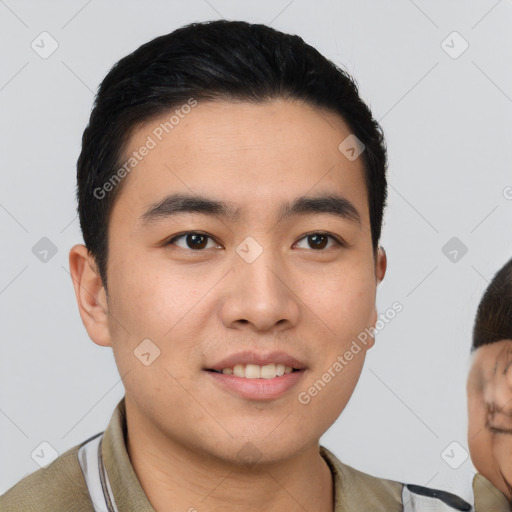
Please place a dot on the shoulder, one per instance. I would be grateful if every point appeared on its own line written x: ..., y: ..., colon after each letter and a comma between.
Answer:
x: 358, y: 491
x: 361, y: 491
x: 60, y: 486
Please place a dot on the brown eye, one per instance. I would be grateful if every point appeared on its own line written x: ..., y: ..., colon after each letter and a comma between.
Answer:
x: 193, y: 240
x: 319, y: 241
x: 196, y: 241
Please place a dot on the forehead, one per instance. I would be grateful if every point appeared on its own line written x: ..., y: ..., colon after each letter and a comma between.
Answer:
x: 486, y: 357
x: 249, y: 155
x: 493, y: 349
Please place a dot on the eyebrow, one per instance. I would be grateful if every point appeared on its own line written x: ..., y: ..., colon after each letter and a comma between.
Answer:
x: 175, y: 204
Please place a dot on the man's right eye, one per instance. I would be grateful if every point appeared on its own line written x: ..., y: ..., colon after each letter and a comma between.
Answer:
x: 193, y: 240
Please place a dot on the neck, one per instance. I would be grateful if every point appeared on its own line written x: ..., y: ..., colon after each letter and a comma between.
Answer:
x: 175, y: 477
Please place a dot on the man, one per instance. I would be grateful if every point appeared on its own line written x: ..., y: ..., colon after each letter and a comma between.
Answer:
x: 489, y: 390
x: 231, y: 189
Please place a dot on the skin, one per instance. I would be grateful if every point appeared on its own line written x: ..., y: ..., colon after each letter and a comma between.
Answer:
x: 184, y: 431
x: 489, y: 391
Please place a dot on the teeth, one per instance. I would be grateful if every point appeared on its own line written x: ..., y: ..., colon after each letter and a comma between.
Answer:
x: 268, y: 372
x: 254, y: 371
x: 239, y: 370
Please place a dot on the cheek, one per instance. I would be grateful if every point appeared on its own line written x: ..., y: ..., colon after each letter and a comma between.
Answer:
x: 150, y: 300
x: 345, y: 294
x: 476, y: 414
x: 482, y: 444
x: 503, y: 451
x: 331, y: 382
x: 478, y: 437
x: 482, y: 454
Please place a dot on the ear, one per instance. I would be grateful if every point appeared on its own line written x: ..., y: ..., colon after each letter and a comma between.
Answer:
x: 381, y: 264
x: 90, y: 294
x: 380, y: 271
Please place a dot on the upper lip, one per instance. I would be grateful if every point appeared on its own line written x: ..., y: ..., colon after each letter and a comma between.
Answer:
x: 261, y: 359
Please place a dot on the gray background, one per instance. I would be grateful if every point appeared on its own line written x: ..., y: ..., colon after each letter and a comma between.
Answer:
x: 447, y: 122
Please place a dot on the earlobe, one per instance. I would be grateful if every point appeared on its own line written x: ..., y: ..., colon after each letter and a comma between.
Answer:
x: 380, y: 272
x: 90, y: 294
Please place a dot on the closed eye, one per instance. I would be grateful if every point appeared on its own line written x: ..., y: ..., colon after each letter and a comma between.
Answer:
x: 498, y: 420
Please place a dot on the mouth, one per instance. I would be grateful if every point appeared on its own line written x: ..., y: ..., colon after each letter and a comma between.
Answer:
x: 254, y: 371
x: 256, y: 375
x: 252, y: 382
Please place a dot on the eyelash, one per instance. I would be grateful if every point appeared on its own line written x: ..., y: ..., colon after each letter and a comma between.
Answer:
x: 336, y: 240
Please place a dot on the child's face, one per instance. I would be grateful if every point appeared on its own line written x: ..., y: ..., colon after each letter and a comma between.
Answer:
x: 199, y: 304
x: 490, y: 413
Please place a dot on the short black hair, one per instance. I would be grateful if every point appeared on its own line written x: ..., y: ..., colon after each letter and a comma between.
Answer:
x: 494, y: 315
x: 214, y: 60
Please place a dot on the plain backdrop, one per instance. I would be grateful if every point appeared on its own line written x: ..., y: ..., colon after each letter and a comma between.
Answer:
x: 436, y: 74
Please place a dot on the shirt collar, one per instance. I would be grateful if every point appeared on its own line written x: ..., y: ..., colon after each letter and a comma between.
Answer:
x: 487, y: 497
x: 350, y: 486
x: 128, y: 492
x: 355, y: 490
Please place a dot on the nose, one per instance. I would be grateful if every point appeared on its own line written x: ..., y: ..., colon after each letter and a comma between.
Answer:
x: 262, y: 294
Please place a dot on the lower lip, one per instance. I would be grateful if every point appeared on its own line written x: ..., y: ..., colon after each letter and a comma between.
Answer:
x: 258, y: 389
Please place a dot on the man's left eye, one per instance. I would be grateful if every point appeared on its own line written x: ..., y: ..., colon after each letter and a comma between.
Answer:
x: 319, y: 241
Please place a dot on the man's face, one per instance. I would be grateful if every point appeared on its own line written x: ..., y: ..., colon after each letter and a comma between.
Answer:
x: 490, y: 413
x: 255, y: 283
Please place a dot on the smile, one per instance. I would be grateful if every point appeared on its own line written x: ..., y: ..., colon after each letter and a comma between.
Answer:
x: 257, y: 387
x: 254, y: 371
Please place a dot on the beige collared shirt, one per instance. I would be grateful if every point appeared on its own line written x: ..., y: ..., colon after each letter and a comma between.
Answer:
x: 487, y: 497
x: 61, y: 486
